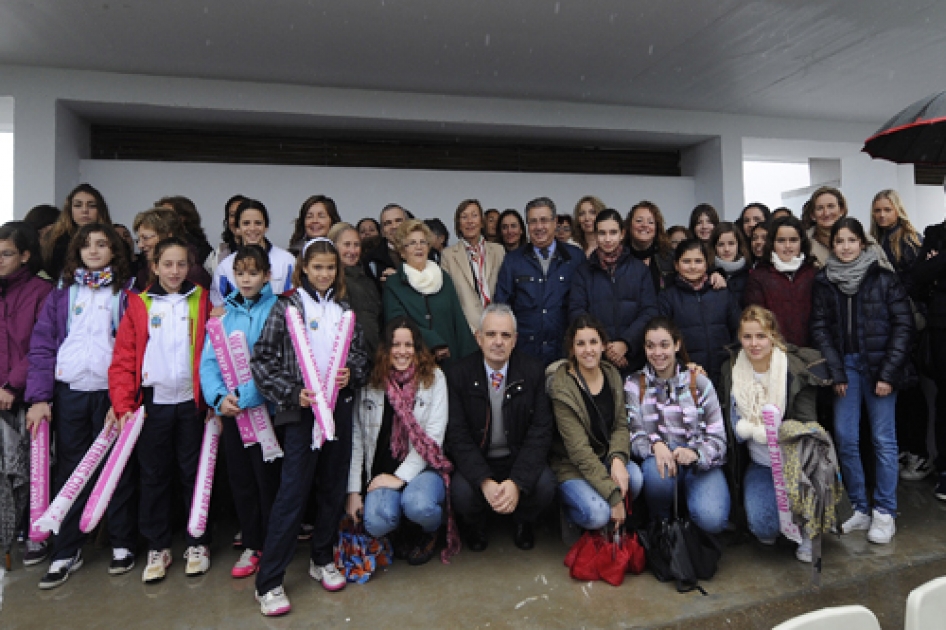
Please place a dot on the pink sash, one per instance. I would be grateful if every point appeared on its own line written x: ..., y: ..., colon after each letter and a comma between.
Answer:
x: 54, y: 515
x: 39, y: 481
x: 203, y: 485
x: 770, y: 414
x: 108, y: 480
x: 221, y: 346
x: 258, y: 416
x: 324, y: 388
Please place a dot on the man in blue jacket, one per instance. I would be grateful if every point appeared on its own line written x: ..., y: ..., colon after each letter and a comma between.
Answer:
x: 534, y: 280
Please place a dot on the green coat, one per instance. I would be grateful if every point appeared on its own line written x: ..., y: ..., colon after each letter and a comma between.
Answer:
x: 575, y: 453
x: 439, y: 316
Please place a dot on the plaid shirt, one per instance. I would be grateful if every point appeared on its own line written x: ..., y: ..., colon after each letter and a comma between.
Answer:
x: 275, y: 368
x: 667, y: 413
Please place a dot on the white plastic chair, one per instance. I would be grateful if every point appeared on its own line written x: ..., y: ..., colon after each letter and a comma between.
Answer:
x: 926, y: 606
x: 837, y: 618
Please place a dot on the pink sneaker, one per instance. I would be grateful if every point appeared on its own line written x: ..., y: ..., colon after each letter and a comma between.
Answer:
x: 247, y: 565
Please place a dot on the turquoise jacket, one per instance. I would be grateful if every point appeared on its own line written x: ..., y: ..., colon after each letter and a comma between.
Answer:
x: 250, y: 321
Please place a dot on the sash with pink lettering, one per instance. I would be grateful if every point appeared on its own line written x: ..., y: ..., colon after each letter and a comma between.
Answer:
x: 258, y: 416
x: 203, y: 485
x: 39, y: 480
x: 771, y: 415
x: 108, y: 480
x: 324, y: 388
x: 221, y: 346
x: 56, y: 513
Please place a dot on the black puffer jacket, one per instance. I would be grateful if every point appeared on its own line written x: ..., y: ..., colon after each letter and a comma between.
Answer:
x: 708, y: 320
x: 884, y: 326
x: 929, y: 275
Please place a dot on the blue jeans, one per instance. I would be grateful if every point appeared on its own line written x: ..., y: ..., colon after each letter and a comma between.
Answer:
x: 588, y: 509
x: 761, y: 508
x: 421, y: 501
x: 705, y: 491
x: 881, y: 412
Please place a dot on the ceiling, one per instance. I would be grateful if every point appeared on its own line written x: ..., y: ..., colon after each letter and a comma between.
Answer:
x: 851, y: 60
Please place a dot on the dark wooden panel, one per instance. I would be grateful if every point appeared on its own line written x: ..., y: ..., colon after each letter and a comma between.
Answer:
x: 927, y: 175
x: 192, y: 145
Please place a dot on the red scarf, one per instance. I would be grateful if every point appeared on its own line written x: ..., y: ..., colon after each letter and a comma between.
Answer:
x: 609, y: 262
x: 401, y: 390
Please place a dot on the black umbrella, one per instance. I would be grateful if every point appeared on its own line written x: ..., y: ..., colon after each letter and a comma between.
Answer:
x: 917, y: 135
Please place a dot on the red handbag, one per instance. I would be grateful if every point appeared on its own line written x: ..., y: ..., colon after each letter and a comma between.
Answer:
x: 595, y: 556
x: 581, y: 558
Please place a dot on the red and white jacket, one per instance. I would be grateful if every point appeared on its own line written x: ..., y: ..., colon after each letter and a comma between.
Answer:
x: 124, y: 374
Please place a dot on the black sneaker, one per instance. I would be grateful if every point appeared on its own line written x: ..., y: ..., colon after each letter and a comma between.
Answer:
x: 60, y: 570
x: 35, y: 553
x: 423, y: 550
x: 123, y: 561
x: 940, y: 492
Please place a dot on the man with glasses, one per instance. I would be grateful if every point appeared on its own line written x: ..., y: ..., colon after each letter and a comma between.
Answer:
x: 534, y: 280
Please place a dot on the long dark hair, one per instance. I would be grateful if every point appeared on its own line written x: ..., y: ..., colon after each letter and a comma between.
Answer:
x: 65, y: 224
x: 790, y: 222
x: 523, y: 234
x: 853, y: 225
x: 729, y: 228
x: 665, y: 323
x: 326, y: 246
x: 580, y: 323
x: 26, y: 239
x: 424, y: 361
x: 227, y: 236
x: 121, y: 266
x: 298, y: 231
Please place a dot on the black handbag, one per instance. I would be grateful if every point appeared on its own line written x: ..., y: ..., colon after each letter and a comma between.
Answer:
x: 679, y: 550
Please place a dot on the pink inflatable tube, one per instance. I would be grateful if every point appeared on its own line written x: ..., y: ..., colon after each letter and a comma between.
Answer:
x: 258, y: 417
x: 108, y: 480
x: 346, y: 329
x: 39, y: 481
x: 770, y: 414
x: 221, y: 347
x: 54, y: 515
x: 324, y: 427
x: 203, y: 485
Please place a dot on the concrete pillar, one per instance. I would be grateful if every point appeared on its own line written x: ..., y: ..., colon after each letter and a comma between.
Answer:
x: 716, y: 168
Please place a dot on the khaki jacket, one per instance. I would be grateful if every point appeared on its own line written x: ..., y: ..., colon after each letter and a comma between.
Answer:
x: 575, y: 453
x: 455, y: 262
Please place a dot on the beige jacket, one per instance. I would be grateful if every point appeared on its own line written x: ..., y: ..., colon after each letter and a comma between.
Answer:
x: 455, y: 262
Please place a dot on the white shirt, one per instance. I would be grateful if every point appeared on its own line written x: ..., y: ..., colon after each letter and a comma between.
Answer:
x: 86, y: 352
x: 167, y: 365
x: 321, y: 326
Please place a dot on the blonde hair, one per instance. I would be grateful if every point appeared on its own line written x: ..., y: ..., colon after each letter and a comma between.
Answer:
x: 906, y: 232
x: 407, y: 228
x: 766, y: 319
x: 579, y: 233
x: 336, y: 231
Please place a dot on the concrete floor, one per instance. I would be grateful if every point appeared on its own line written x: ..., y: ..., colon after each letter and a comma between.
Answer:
x: 756, y: 587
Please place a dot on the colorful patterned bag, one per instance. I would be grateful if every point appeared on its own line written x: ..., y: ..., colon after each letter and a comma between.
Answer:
x: 358, y: 554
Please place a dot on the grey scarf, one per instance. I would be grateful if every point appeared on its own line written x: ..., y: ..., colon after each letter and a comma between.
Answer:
x: 730, y: 267
x: 848, y: 276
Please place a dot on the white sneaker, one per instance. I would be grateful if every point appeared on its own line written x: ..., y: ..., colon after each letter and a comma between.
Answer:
x: 156, y: 569
x: 882, y: 528
x: 858, y: 522
x: 803, y: 553
x: 331, y: 578
x: 198, y: 560
x: 274, y: 603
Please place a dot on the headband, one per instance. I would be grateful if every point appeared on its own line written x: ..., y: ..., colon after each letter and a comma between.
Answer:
x: 317, y: 239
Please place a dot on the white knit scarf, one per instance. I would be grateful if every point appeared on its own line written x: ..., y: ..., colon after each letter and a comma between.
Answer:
x: 787, y: 267
x: 751, y: 394
x: 426, y: 282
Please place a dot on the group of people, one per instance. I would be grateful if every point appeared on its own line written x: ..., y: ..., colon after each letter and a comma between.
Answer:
x: 611, y: 360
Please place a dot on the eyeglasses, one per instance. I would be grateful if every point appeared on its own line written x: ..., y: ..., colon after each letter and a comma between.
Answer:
x: 540, y: 220
x: 413, y: 244
x: 146, y: 239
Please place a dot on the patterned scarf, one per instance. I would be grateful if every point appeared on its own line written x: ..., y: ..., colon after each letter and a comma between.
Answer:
x: 609, y: 262
x: 94, y: 279
x: 476, y: 254
x: 401, y: 390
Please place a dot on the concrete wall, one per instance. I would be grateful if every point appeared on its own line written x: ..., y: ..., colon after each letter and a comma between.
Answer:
x: 131, y: 187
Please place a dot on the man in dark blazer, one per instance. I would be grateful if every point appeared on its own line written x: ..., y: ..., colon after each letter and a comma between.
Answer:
x: 499, y: 432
